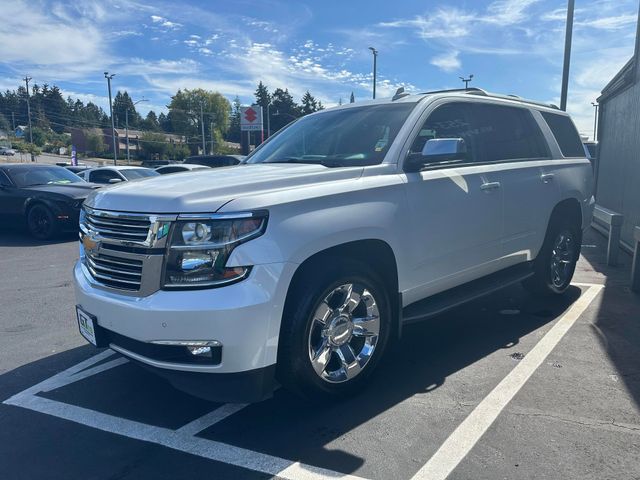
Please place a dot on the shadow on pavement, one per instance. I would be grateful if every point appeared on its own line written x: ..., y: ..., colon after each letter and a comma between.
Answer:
x: 288, y: 427
x: 617, y: 322
x: 17, y: 236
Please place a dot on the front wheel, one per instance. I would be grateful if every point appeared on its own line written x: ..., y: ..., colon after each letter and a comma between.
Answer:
x: 41, y: 222
x: 556, y: 262
x: 335, y: 331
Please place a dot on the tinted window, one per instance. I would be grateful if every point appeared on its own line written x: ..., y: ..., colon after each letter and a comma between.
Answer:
x: 507, y: 133
x: 165, y: 170
x: 135, y: 173
x: 565, y: 134
x: 103, y: 176
x: 448, y: 121
x: 26, y: 176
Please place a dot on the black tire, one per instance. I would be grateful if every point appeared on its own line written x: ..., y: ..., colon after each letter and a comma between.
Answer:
x: 41, y: 222
x: 294, y: 370
x: 547, y: 281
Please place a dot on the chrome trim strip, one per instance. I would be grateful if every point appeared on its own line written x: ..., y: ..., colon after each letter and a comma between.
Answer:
x: 166, y: 365
x: 112, y: 279
x: 96, y: 266
x: 216, y: 216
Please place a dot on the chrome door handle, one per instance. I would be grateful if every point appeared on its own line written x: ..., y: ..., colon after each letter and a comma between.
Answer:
x: 487, y: 187
x: 547, y: 177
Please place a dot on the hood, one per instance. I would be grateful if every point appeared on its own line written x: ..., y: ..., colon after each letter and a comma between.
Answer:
x: 72, y: 190
x: 208, y: 190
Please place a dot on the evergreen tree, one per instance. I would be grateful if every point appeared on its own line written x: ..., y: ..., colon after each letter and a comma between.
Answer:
x: 309, y: 104
x: 263, y: 98
x: 151, y: 122
x: 165, y: 123
x: 352, y: 99
x: 340, y: 101
x: 283, y: 109
x: 122, y: 102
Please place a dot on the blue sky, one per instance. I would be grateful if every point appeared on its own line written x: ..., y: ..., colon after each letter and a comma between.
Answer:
x: 511, y: 46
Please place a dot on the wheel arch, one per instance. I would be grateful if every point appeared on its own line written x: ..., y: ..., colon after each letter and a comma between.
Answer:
x: 375, y: 253
x: 568, y: 208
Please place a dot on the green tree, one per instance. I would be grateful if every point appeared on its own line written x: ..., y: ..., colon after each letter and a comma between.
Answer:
x: 152, y: 144
x: 177, y: 151
x: 121, y: 103
x: 165, y: 123
x: 185, y: 114
x: 94, y: 141
x: 151, y: 122
x: 308, y: 104
x: 283, y: 109
x: 263, y: 98
x: 352, y: 99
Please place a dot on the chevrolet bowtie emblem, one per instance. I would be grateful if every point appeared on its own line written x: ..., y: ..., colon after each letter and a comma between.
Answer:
x: 89, y: 244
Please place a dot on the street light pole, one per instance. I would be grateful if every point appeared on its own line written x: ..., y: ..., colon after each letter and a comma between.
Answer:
x: 113, y: 126
x: 204, y: 146
x: 595, y: 122
x: 466, y: 81
x: 375, y: 58
x: 567, y: 55
x: 26, y: 80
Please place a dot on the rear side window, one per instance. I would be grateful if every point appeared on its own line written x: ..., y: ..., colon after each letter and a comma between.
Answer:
x: 565, y: 134
x: 507, y: 133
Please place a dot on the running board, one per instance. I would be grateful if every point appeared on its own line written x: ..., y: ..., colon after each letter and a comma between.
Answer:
x: 441, y: 302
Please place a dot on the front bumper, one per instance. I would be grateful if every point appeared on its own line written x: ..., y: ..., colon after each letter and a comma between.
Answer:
x: 244, y: 317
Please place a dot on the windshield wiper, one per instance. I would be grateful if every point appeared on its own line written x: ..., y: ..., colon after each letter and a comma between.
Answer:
x: 309, y: 161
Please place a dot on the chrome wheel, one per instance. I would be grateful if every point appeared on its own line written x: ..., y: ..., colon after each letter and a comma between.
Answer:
x: 562, y: 259
x: 344, y: 333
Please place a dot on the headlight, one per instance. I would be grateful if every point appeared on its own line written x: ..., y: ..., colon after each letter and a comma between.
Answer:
x: 199, y: 248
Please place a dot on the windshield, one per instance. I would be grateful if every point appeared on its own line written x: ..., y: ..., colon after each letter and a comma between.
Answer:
x: 346, y: 137
x: 27, y: 177
x: 135, y: 173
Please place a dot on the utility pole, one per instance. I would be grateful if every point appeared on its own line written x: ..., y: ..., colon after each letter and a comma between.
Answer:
x: 567, y: 55
x: 595, y: 122
x: 113, y: 126
x: 268, y: 121
x: 13, y: 122
x: 211, y: 147
x: 204, y: 146
x: 27, y: 79
x: 375, y: 58
x: 466, y: 81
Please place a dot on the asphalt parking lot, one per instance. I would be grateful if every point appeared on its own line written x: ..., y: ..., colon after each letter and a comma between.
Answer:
x: 503, y: 388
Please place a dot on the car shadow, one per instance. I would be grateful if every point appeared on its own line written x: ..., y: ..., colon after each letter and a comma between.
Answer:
x: 18, y: 236
x: 285, y: 426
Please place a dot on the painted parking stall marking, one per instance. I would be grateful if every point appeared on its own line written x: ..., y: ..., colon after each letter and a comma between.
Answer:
x: 185, y: 439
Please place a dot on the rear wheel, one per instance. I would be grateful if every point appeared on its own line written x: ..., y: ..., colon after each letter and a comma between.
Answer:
x: 336, y: 329
x: 41, y: 222
x: 556, y: 262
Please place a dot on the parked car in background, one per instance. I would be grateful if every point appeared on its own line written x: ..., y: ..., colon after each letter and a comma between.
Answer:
x: 300, y: 266
x: 77, y: 168
x: 47, y: 198
x: 111, y: 175
x: 215, y: 161
x: 7, y: 151
x: 182, y: 167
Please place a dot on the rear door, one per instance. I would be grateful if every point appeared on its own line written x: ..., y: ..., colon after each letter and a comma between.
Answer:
x: 511, y: 141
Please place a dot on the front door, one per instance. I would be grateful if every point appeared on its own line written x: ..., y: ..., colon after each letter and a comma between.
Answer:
x: 456, y: 209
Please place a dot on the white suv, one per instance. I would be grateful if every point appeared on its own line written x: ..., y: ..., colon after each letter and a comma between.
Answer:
x: 302, y: 264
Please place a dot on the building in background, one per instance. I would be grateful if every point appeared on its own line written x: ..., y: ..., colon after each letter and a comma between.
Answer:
x: 618, y: 172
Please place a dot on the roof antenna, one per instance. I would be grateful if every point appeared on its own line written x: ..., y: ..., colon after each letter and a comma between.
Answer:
x: 399, y: 94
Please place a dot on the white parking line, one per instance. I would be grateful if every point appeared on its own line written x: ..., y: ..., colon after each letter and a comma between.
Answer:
x: 211, y: 418
x: 89, y: 372
x: 463, y: 438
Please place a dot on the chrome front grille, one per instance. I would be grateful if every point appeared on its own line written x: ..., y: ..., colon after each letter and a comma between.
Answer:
x: 127, y: 228
x: 115, y: 272
x: 123, y: 251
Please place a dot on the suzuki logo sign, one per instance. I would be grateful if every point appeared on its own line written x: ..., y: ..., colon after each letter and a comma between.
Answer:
x: 251, y: 118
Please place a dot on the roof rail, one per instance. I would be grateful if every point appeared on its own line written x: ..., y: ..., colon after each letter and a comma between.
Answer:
x: 484, y: 93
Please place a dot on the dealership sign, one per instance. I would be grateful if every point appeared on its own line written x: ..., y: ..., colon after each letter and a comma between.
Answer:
x: 251, y: 118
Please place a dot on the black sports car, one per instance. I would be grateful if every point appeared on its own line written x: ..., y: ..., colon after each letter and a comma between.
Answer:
x: 47, y: 198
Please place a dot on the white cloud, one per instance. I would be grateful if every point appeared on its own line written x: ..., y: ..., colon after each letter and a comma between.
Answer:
x: 445, y: 22
x: 610, y: 23
x: 163, y: 22
x: 508, y: 12
x: 447, y: 62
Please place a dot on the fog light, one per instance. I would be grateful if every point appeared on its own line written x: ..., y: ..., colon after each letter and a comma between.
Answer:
x: 200, y: 351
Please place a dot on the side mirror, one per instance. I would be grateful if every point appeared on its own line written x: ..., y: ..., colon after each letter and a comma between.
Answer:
x: 437, y: 151
x: 114, y: 180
